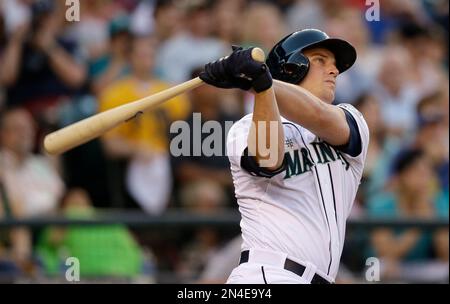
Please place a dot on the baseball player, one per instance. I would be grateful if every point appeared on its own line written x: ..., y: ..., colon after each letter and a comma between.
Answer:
x: 296, y: 161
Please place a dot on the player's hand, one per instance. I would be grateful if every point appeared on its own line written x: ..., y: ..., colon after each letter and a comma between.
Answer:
x: 219, y: 74
x: 239, y: 70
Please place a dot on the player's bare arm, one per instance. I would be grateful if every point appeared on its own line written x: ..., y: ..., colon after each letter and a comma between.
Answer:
x: 301, y: 106
x: 266, y: 118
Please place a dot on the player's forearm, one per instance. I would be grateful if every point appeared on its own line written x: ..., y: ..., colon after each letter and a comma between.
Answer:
x: 300, y: 106
x: 266, y: 136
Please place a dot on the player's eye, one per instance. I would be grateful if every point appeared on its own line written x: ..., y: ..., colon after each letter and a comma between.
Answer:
x: 320, y: 60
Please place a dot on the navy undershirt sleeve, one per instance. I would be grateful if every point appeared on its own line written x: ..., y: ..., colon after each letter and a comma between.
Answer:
x: 249, y: 164
x: 354, y: 145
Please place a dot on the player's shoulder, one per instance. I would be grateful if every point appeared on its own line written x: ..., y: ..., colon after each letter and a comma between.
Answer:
x: 357, y: 115
x: 240, y: 127
x: 244, y: 122
x: 351, y: 109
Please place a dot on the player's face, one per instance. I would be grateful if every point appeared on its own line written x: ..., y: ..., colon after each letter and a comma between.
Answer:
x: 321, y: 77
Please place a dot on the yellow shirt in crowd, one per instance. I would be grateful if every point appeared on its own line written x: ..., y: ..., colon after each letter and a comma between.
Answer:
x: 152, y: 127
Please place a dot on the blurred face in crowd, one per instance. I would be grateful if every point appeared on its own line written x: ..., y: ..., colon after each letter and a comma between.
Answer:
x: 349, y: 25
x: 262, y: 24
x: 119, y: 44
x: 168, y: 20
x: 416, y: 176
x: 371, y: 112
x: 17, y: 132
x: 226, y: 21
x: 142, y: 56
x: 394, y: 70
x: 199, y: 22
x: 321, y: 77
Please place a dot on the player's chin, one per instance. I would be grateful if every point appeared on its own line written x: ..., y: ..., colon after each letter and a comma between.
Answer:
x: 329, y: 96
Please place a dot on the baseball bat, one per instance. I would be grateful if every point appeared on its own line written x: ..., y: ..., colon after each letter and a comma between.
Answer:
x: 92, y: 127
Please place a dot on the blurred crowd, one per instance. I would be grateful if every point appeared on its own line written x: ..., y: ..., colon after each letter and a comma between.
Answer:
x: 55, y: 72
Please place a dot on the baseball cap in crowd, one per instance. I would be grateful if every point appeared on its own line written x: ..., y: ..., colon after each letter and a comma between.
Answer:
x: 118, y: 25
x: 405, y: 159
x: 42, y: 7
x: 411, y: 30
x: 426, y: 120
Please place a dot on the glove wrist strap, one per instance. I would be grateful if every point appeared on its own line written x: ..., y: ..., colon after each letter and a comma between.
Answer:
x: 262, y: 82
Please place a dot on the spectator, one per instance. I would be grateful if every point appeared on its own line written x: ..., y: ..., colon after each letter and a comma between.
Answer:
x: 227, y: 20
x: 29, y: 186
x: 15, y: 243
x: 40, y: 67
x: 382, y: 150
x: 113, y: 65
x: 394, y: 13
x: 413, y: 195
x: 426, y: 47
x: 168, y: 19
x: 397, y: 95
x: 29, y: 180
x: 348, y: 24
x: 162, y: 18
x: 143, y: 142
x: 104, y: 252
x: 179, y: 55
x: 263, y: 26
x: 91, y: 31
x: 313, y: 14
x: 431, y: 134
x: 204, y: 197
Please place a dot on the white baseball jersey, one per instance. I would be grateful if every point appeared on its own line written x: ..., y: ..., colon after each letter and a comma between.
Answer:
x: 301, y: 211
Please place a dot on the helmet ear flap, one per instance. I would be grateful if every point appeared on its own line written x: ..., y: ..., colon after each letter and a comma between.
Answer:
x: 296, y: 68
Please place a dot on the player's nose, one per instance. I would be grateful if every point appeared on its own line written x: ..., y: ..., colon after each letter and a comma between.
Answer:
x: 332, y: 70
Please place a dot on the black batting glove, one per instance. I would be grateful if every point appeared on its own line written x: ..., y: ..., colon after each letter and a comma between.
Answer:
x: 242, y: 65
x: 216, y: 74
x: 262, y: 81
x: 238, y: 70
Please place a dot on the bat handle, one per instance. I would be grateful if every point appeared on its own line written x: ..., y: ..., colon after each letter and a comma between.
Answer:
x: 258, y: 54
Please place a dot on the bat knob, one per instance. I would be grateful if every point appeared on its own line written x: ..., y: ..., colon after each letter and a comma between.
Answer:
x: 258, y: 55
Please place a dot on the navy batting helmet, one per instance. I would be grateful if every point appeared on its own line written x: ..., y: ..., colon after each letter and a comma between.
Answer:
x: 287, y: 62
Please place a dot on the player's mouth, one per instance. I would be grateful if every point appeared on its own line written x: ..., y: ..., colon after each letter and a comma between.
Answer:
x: 332, y: 82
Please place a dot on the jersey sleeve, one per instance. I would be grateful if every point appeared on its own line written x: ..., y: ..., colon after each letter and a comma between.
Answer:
x: 356, y: 150
x: 237, y: 140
